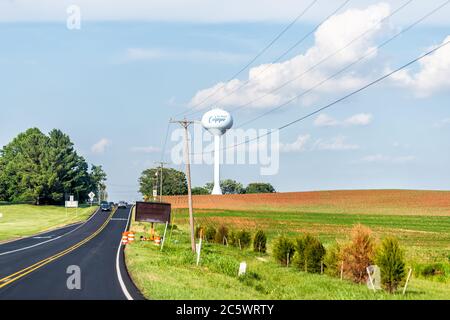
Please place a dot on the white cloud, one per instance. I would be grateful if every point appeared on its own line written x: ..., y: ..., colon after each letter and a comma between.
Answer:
x: 304, y: 143
x: 149, y: 54
x: 442, y: 123
x: 296, y: 146
x: 324, y: 120
x: 433, y: 74
x: 149, y: 149
x: 399, y: 145
x: 334, y: 34
x: 380, y: 158
x: 335, y: 144
x: 100, y: 146
x: 197, y: 10
x: 360, y: 119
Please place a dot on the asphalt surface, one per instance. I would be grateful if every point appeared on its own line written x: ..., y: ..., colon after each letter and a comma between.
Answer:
x: 40, y: 268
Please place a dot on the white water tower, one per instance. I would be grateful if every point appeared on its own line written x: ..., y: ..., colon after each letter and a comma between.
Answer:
x: 217, y: 122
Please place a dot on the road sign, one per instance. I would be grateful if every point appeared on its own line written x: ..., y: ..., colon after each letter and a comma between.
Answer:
x: 71, y: 203
x: 91, y: 196
x: 154, y: 212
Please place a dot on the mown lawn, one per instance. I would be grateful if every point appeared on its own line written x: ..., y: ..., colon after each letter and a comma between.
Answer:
x: 24, y: 220
x: 172, y: 274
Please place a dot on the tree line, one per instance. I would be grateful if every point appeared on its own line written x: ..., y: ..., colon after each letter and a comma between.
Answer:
x: 46, y: 169
x: 175, y: 183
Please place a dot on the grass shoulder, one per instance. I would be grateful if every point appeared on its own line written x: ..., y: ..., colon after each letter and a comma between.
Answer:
x: 173, y: 274
x: 24, y: 220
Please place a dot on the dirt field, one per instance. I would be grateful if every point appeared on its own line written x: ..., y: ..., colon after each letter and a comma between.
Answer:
x: 390, y: 202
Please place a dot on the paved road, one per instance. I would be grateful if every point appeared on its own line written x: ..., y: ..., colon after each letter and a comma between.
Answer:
x: 37, y: 268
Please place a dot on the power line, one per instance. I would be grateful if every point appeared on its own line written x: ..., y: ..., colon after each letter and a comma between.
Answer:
x: 267, y: 47
x: 343, y: 98
x: 299, y: 76
x: 163, y: 150
x: 284, y: 54
x: 345, y: 68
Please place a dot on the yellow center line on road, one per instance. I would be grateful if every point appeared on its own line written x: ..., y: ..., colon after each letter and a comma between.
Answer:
x: 20, y: 274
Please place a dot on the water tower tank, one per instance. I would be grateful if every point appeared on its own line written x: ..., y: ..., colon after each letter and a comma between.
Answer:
x: 217, y: 122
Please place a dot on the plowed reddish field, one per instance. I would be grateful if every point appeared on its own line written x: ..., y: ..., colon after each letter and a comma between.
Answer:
x: 401, y: 202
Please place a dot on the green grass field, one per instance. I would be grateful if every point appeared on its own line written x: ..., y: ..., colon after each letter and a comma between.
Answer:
x: 24, y: 220
x: 172, y: 274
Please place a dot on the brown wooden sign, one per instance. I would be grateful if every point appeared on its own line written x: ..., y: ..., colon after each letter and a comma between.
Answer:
x: 155, y: 212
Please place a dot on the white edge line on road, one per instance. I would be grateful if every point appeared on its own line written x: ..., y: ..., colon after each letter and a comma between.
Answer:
x: 119, y: 274
x: 47, y: 241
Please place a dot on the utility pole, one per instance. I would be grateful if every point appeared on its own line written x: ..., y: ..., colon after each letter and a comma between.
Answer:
x: 161, y: 165
x: 185, y: 124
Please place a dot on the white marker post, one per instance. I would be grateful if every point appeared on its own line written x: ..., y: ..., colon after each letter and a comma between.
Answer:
x: 407, y: 281
x: 164, y: 237
x: 199, y: 250
x: 370, y: 279
x: 242, y: 269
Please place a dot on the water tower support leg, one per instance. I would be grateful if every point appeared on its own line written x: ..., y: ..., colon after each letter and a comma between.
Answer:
x: 217, y: 189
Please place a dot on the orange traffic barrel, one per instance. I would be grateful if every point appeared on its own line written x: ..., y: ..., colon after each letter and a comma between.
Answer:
x: 125, y: 238
x: 158, y: 240
x: 131, y: 236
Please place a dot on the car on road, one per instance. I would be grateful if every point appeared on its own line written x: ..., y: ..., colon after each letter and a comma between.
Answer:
x: 122, y: 205
x: 105, y: 206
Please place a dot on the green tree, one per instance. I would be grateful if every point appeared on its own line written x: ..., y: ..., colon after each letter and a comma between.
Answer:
x: 260, y: 242
x: 283, y: 250
x: 228, y: 186
x: 98, y: 178
x: 390, y: 259
x: 66, y: 171
x: 259, y: 188
x: 174, y: 182
x: 309, y: 253
x: 200, y: 191
x: 23, y: 163
x: 42, y: 169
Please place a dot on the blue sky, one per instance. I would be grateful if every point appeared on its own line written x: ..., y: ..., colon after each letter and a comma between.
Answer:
x: 115, y: 82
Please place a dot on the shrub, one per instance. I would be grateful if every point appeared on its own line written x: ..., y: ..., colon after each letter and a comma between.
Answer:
x: 200, y: 191
x: 433, y: 270
x: 283, y: 249
x: 390, y: 259
x: 358, y: 254
x: 210, y: 234
x: 243, y: 239
x: 333, y: 260
x: 309, y: 253
x: 221, y: 234
x: 260, y: 242
x: 232, y: 238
